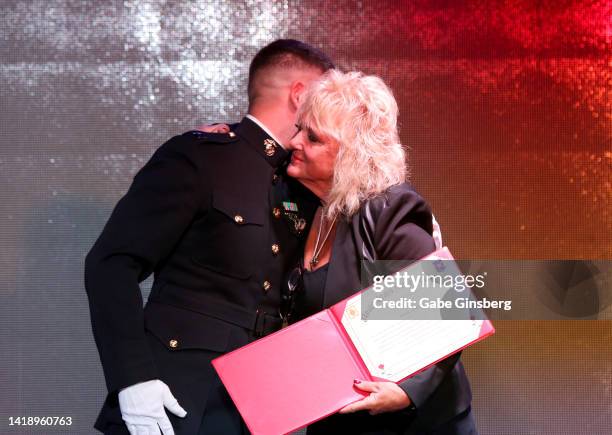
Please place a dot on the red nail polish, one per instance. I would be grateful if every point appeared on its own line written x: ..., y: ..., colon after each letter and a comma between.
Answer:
x: 356, y: 381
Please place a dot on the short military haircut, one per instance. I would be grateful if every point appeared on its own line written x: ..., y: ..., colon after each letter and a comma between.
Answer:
x: 286, y: 53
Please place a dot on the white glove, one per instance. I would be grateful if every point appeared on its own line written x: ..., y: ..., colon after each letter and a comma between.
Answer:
x: 142, y: 408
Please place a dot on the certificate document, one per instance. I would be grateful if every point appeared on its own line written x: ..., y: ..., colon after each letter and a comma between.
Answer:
x: 305, y: 372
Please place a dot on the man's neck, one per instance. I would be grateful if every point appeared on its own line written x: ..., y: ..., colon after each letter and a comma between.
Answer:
x: 275, y: 124
x: 265, y: 128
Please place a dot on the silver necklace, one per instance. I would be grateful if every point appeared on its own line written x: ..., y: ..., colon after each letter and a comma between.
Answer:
x: 317, y: 249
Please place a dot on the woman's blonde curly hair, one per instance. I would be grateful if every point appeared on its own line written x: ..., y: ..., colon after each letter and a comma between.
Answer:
x: 360, y: 113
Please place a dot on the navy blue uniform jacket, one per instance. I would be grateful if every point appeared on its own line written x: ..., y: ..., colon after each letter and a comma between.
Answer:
x: 217, y: 222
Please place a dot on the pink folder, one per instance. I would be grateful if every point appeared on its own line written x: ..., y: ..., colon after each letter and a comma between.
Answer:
x: 304, y: 372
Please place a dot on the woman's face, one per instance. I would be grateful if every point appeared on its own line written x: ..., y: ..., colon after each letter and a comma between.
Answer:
x: 313, y: 159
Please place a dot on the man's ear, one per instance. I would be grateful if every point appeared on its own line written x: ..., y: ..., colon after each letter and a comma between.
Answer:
x: 296, y: 92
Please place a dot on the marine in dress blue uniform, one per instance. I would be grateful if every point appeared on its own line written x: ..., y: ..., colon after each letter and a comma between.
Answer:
x: 218, y: 223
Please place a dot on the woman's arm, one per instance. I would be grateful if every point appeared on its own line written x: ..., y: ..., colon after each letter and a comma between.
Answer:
x: 403, y: 231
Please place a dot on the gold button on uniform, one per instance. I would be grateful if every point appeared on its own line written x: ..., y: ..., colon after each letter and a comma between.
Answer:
x: 266, y: 285
x: 274, y: 179
x: 276, y: 212
x: 275, y: 249
x: 173, y: 344
x: 231, y: 134
x: 239, y: 219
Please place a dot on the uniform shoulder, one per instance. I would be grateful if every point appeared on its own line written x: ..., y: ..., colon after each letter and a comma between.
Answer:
x: 190, y: 143
x: 202, y: 137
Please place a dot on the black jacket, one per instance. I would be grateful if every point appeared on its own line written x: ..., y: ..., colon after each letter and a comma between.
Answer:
x: 398, y: 226
x: 217, y: 222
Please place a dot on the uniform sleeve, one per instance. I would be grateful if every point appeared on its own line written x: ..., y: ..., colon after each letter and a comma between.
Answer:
x: 403, y: 232
x: 142, y: 230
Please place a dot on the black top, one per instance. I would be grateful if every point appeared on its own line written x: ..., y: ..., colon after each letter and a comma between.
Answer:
x: 310, y: 298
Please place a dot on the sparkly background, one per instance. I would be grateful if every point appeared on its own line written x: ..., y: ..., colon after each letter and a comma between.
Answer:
x: 505, y: 106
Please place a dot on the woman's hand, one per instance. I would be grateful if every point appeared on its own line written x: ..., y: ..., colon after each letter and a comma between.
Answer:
x: 384, y: 397
x: 214, y: 128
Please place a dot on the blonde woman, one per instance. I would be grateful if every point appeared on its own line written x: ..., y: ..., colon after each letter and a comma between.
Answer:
x: 348, y: 153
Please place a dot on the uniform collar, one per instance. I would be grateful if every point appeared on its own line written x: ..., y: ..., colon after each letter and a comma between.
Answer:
x: 264, y: 128
x: 262, y: 142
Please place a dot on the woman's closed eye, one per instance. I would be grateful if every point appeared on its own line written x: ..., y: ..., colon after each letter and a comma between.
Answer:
x: 312, y: 137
